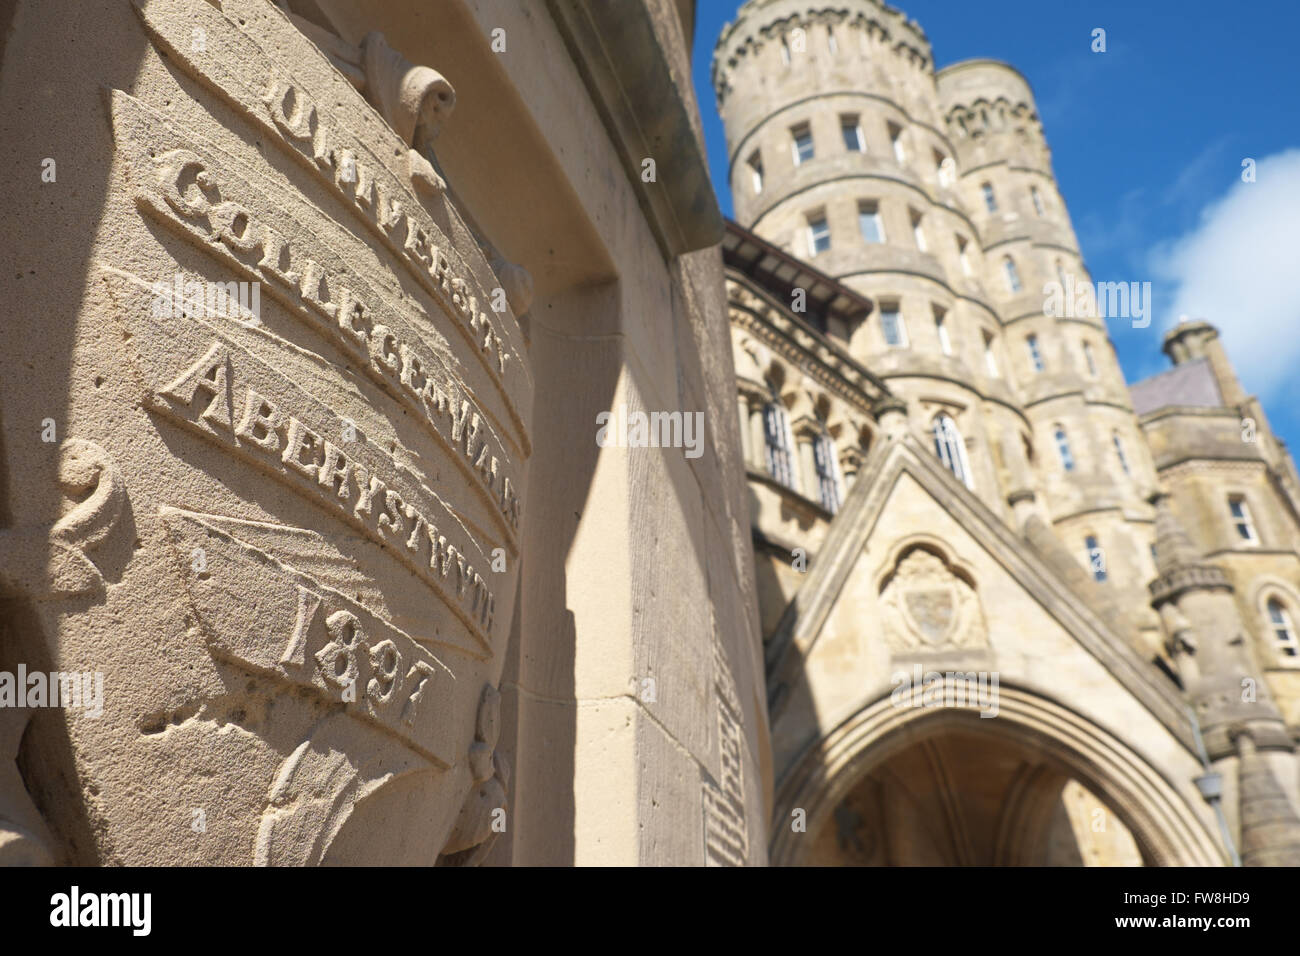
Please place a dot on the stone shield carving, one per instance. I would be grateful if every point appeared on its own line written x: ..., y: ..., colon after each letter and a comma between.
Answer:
x: 303, y: 627
x: 929, y: 607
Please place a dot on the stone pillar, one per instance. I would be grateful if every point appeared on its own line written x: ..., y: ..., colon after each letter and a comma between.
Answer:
x: 891, y: 414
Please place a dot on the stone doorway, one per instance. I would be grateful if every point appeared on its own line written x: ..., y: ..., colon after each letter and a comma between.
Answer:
x: 971, y: 799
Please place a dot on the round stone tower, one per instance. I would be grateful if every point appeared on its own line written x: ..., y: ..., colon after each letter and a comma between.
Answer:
x: 933, y: 194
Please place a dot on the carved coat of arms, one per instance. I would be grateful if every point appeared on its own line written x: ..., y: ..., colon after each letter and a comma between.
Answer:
x: 928, y: 607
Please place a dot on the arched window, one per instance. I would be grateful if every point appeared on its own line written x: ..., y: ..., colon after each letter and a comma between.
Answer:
x: 950, y: 448
x: 1063, y: 447
x: 828, y: 479
x: 779, y: 443
x: 1012, y: 274
x: 1038, y: 200
x: 1279, y: 620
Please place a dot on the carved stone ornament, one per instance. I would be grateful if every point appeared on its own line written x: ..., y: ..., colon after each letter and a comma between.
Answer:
x: 928, y: 607
x: 301, y: 613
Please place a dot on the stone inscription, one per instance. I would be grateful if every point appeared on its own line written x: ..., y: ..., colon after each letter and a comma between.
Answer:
x: 417, y: 526
x: 284, y: 106
x: 313, y: 637
x: 188, y: 192
x: 260, y: 416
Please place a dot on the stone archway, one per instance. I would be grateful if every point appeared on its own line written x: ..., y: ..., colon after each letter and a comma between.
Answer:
x: 1064, y: 746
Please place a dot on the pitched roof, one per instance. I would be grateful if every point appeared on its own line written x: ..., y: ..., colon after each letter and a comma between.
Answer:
x: 1189, y: 384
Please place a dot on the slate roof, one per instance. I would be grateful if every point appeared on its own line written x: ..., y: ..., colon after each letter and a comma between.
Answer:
x: 1189, y: 384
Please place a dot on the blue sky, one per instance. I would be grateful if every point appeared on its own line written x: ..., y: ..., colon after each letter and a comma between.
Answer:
x: 1147, y: 143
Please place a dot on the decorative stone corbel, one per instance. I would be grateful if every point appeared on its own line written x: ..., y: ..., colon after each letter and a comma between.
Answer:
x: 891, y: 414
x: 474, y: 833
x: 415, y: 100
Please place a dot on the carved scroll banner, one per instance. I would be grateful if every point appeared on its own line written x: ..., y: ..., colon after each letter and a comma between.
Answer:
x: 348, y: 457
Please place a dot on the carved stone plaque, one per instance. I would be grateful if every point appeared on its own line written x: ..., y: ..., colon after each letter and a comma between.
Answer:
x: 300, y: 483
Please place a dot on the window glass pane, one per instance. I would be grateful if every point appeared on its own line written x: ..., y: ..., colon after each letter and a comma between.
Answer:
x: 950, y: 449
x: 891, y: 324
x: 1012, y: 273
x: 1035, y: 356
x: 803, y: 145
x: 1063, y: 446
x: 852, y: 133
x: 1096, y: 558
x: 870, y: 225
x: 821, y: 235
x: 775, y: 432
x: 827, y: 484
x: 1119, y: 453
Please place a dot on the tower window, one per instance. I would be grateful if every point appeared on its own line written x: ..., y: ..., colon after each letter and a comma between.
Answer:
x: 1060, y: 274
x: 1283, y: 630
x: 831, y: 43
x: 1241, y: 520
x: 896, y: 139
x: 990, y: 360
x: 891, y: 326
x: 785, y: 51
x: 941, y: 330
x: 918, y: 233
x: 1037, y: 199
x: 828, y: 486
x: 802, y: 143
x: 1096, y: 558
x: 1012, y: 274
x: 1035, y: 354
x: 851, y: 130
x: 1119, y: 452
x: 819, y: 234
x: 964, y: 256
x: 756, y: 171
x: 1063, y: 448
x: 777, y: 442
x: 869, y: 222
x: 950, y: 448
x: 990, y: 200
x: 1090, y: 359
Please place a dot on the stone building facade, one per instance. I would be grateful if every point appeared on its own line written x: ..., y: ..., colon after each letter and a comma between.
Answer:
x: 951, y: 479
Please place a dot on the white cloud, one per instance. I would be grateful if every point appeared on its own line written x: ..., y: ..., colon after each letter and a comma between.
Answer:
x: 1240, y: 269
